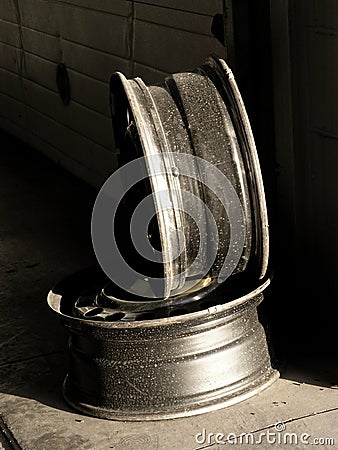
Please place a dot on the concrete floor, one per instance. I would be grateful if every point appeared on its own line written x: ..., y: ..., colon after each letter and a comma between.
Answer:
x: 45, y: 236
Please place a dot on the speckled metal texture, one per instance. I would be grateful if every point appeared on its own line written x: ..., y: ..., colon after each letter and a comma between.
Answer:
x: 163, y: 368
x: 199, y: 113
x: 196, y: 347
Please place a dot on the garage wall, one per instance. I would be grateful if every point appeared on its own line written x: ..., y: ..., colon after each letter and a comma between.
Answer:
x: 305, y: 50
x: 94, y: 38
x: 315, y: 108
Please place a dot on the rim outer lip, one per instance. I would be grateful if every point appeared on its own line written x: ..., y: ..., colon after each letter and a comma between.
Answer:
x: 166, y: 368
x: 223, y: 74
x: 154, y: 141
x: 105, y: 413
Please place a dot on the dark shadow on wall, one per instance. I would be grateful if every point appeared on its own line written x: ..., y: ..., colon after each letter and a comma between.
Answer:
x: 300, y: 309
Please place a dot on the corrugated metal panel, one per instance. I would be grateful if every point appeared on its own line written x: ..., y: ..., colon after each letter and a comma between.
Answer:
x: 94, y: 39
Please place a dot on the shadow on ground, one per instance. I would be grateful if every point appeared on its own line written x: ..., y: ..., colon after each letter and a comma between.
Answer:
x: 44, y: 236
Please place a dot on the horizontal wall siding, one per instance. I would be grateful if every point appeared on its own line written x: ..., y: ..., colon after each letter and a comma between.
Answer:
x: 91, y: 124
x: 181, y: 20
x: 171, y: 40
x: 93, y: 62
x: 10, y: 84
x: 92, y: 28
x: 8, y: 11
x: 150, y: 74
x: 9, y: 33
x: 207, y: 7
x: 10, y: 58
x: 116, y: 7
x: 93, y: 39
x: 13, y: 109
x: 171, y: 49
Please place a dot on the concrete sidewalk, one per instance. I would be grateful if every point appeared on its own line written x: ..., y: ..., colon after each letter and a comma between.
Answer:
x: 45, y: 236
